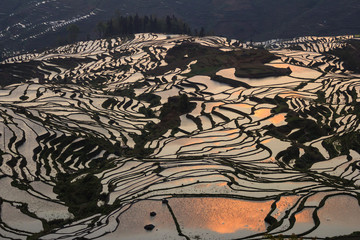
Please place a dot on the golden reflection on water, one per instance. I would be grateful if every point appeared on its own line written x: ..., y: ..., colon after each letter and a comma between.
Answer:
x: 221, y: 215
x: 262, y: 113
x: 228, y: 148
x: 266, y: 112
x: 342, y: 209
x: 193, y: 141
x: 243, y: 105
x: 225, y: 135
x: 285, y: 203
x: 268, y: 160
x: 290, y: 94
x: 277, y: 119
x: 222, y: 184
x: 211, y: 105
x: 266, y: 141
x: 305, y: 216
x: 339, y: 216
x: 225, y: 132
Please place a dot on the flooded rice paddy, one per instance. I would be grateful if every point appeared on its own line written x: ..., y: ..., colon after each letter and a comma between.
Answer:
x: 225, y: 173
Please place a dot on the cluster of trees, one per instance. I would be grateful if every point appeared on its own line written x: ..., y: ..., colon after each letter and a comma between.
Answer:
x: 124, y: 25
x: 71, y: 36
x: 350, y: 55
x: 127, y: 25
x: 2, y: 52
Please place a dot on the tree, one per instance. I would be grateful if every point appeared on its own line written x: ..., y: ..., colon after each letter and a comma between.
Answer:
x: 196, y: 33
x: 131, y: 25
x: 73, y: 32
x: 202, y: 32
x: 168, y: 24
x: 109, y: 29
x: 137, y: 24
x: 124, y: 25
x: 153, y: 24
x: 101, y: 28
x: 146, y: 24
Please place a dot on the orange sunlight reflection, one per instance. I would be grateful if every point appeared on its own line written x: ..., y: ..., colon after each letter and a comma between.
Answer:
x: 243, y: 105
x: 290, y: 94
x: 269, y: 160
x: 263, y: 113
x: 284, y: 204
x: 305, y: 216
x: 222, y: 184
x: 277, y: 119
x: 266, y: 141
x: 221, y: 215
x: 193, y: 141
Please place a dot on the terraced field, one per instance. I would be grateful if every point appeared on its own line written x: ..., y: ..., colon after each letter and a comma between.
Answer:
x: 102, y: 138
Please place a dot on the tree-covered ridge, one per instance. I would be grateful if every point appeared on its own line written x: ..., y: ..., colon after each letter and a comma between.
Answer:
x: 350, y: 54
x: 125, y: 25
x: 37, y: 24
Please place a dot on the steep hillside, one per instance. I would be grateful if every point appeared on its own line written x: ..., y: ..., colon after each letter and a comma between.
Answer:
x: 37, y: 24
x: 177, y: 137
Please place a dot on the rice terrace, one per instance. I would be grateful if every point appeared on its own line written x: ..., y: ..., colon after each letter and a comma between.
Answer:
x: 161, y: 136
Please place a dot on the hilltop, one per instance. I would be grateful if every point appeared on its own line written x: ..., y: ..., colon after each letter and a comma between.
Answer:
x: 257, y: 20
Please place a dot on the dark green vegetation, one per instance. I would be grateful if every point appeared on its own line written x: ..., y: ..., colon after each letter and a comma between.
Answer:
x: 125, y: 25
x: 257, y: 70
x: 353, y: 236
x: 350, y: 55
x: 8, y: 72
x: 248, y: 63
x: 300, y: 130
x: 169, y: 120
x: 81, y: 190
x: 80, y: 195
x: 71, y: 36
x: 16, y: 72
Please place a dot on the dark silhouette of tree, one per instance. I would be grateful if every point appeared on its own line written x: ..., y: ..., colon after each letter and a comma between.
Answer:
x: 109, y: 29
x: 196, y: 33
x: 146, y: 24
x: 202, y: 32
x: 137, y: 24
x: 168, y: 24
x: 1, y: 54
x: 73, y: 32
x: 101, y: 28
x: 131, y: 25
x: 125, y: 25
x: 153, y: 24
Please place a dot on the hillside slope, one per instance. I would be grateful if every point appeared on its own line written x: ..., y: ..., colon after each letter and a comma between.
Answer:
x: 155, y: 137
x: 27, y: 25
